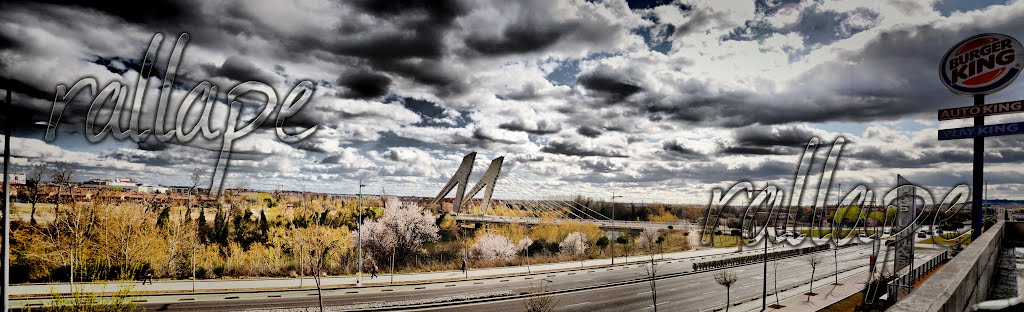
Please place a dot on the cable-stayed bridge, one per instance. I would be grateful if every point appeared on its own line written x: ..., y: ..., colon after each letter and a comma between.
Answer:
x: 517, y: 203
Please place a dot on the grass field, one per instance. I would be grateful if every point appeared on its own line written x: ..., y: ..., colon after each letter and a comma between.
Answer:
x: 725, y: 240
x: 946, y: 239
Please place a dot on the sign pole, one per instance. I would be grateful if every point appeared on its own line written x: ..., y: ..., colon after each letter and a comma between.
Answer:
x: 979, y: 173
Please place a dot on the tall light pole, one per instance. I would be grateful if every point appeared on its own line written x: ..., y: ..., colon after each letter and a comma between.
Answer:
x: 613, y: 226
x: 359, y: 237
x: 7, y: 205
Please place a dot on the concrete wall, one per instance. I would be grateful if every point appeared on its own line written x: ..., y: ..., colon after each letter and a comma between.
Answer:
x: 962, y: 282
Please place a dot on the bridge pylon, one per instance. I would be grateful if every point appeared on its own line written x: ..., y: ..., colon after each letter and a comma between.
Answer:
x: 489, y: 179
x: 461, y: 179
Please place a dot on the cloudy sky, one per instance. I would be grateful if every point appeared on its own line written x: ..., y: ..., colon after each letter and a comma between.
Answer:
x: 652, y: 100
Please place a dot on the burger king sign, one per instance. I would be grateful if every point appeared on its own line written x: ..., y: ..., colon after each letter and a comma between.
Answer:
x: 982, y: 64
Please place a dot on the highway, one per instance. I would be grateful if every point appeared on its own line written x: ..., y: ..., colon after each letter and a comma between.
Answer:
x: 624, y: 290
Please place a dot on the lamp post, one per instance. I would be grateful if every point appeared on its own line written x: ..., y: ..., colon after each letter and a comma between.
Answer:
x: 7, y: 205
x: 613, y: 225
x: 359, y: 230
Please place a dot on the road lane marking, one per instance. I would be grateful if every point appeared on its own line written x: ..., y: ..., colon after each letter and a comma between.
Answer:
x: 576, y: 304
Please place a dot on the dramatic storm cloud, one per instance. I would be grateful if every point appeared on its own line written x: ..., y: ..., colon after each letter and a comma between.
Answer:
x: 656, y: 100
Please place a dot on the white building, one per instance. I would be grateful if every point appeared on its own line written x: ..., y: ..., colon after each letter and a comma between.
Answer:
x: 124, y: 184
x: 17, y: 178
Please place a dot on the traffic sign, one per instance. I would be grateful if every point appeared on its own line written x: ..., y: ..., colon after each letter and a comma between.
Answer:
x: 982, y: 110
x: 981, y: 131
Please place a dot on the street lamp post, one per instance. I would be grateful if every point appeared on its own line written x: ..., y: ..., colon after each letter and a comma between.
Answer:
x: 359, y: 238
x: 613, y: 225
x: 7, y: 206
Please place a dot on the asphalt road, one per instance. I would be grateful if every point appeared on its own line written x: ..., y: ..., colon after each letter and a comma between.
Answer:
x: 694, y: 292
x: 688, y: 292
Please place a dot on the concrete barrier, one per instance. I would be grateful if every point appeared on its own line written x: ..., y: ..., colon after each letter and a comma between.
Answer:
x: 962, y: 282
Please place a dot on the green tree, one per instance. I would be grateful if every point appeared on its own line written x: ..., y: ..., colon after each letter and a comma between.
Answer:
x: 203, y: 228
x: 220, y: 228
x: 602, y: 243
x: 264, y: 227
x: 161, y: 220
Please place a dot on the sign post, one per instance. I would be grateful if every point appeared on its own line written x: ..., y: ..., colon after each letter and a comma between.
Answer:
x: 980, y: 65
x: 905, y: 227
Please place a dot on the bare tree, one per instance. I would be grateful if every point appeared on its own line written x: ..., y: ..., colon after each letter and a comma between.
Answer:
x: 35, y: 186
x: 318, y: 243
x: 651, y: 274
x: 814, y: 260
x: 775, y: 280
x: 76, y: 224
x: 61, y: 177
x: 726, y: 279
x: 195, y: 177
x: 538, y: 302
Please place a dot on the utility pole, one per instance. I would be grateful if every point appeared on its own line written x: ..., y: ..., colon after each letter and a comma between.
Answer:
x: 7, y: 205
x: 613, y: 226
x: 359, y: 230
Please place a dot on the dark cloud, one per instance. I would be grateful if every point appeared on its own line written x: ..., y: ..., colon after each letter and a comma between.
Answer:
x: 480, y: 134
x: 568, y: 148
x: 646, y: 4
x: 364, y: 84
x: 750, y: 150
x: 519, y: 38
x: 239, y: 69
x: 786, y: 136
x: 164, y: 11
x: 677, y: 148
x: 540, y: 127
x: 588, y: 131
x: 608, y: 85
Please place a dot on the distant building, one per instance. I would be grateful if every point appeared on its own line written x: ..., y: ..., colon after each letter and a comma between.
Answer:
x: 17, y: 178
x: 125, y: 184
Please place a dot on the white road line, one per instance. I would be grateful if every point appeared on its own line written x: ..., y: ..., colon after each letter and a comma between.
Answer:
x: 576, y: 304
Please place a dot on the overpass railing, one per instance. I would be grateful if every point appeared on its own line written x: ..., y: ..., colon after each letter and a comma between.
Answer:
x: 962, y: 282
x: 917, y: 273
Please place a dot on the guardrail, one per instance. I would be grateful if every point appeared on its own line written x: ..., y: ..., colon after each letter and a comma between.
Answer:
x: 917, y: 273
x: 708, y: 265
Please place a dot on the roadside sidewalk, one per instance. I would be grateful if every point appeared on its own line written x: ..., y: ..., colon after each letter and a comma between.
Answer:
x: 215, y: 285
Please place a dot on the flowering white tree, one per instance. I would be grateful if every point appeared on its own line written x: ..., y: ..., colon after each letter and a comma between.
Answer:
x: 524, y: 244
x: 647, y: 240
x: 402, y: 230
x: 492, y: 247
x: 574, y: 244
